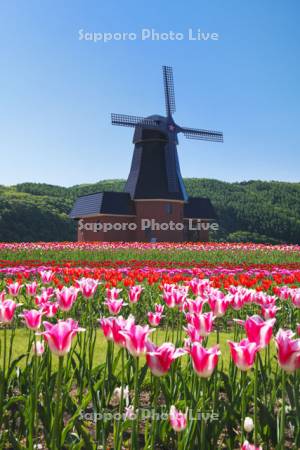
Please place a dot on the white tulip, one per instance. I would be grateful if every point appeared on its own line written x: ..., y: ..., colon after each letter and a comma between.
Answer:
x: 248, y: 424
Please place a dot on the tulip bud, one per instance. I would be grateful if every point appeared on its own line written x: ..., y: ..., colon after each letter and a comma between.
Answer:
x: 38, y: 348
x: 248, y: 424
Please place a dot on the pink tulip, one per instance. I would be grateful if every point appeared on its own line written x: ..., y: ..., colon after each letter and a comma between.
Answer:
x: 174, y: 295
x: 31, y: 288
x: 135, y: 293
x: 154, y: 318
x: 218, y: 305
x: 258, y: 330
x: 159, y: 308
x: 66, y: 297
x: 38, y: 348
x: 59, y: 336
x: 180, y: 294
x: 269, y: 311
x: 106, y: 325
x: 118, y: 326
x: 193, y: 334
x: 199, y: 287
x: 46, y: 276
x: 136, y: 337
x: 48, y: 291
x: 288, y: 350
x: 247, y: 446
x: 159, y: 359
x: 88, y: 287
x: 2, y: 296
x: 178, y: 419
x: 130, y: 413
x: 202, y: 322
x: 236, y: 301
x: 295, y: 297
x: 49, y: 309
x: 194, y: 306
x: 113, y: 293
x: 32, y: 318
x: 114, y: 306
x: 14, y: 288
x: 7, y: 310
x: 43, y: 298
x: 112, y: 327
x: 243, y: 353
x: 204, y: 360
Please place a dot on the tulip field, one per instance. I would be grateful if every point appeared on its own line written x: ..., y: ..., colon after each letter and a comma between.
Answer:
x: 149, y: 346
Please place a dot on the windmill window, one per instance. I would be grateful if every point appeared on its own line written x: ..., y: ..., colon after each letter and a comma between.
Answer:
x: 169, y: 208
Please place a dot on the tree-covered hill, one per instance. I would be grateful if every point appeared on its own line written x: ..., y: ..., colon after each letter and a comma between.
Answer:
x: 250, y: 211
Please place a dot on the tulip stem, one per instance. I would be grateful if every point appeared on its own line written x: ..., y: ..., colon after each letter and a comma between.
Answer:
x: 4, y: 351
x: 3, y: 383
x: 135, y: 427
x: 119, y: 425
x: 34, y: 394
x: 203, y: 424
x: 296, y: 390
x: 255, y: 399
x: 243, y: 385
x: 155, y: 381
x: 55, y: 444
x: 282, y: 422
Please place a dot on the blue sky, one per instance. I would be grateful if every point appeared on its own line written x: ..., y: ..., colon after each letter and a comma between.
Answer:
x: 57, y: 92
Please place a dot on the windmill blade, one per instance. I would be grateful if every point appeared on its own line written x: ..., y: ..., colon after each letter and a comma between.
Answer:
x: 169, y: 90
x: 131, y: 121
x: 204, y: 135
x: 171, y: 167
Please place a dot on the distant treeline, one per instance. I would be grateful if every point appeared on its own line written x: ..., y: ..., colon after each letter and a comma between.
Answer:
x: 256, y: 211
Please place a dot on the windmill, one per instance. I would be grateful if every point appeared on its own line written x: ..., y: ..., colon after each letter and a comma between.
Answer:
x: 155, y: 170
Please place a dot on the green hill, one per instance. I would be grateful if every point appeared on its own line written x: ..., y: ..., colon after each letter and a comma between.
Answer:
x: 256, y: 211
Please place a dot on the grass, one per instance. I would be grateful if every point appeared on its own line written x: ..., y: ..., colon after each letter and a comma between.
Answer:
x: 22, y: 335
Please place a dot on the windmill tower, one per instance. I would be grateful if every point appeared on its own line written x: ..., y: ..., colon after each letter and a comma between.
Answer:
x: 154, y: 190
